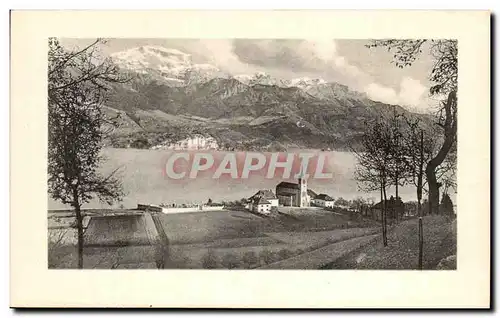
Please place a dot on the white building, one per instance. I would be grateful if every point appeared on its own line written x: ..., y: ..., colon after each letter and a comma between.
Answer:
x: 196, y: 142
x: 262, y: 206
x: 262, y: 201
x: 323, y: 200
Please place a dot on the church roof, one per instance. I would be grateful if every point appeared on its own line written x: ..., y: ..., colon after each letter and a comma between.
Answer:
x: 324, y: 197
x: 287, y: 185
x: 290, y: 185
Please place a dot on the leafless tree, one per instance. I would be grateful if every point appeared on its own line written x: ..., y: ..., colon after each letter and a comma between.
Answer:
x: 373, y: 164
x: 78, y: 82
x: 444, y: 75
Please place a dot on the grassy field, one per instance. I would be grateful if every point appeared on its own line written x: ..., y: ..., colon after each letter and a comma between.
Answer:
x: 267, y: 248
x: 109, y: 242
x: 440, y: 241
x: 189, y: 228
x: 107, y: 257
x: 117, y: 230
x: 114, y: 241
x: 238, y: 234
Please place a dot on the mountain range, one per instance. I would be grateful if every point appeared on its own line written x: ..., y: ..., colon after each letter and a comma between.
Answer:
x: 170, y: 98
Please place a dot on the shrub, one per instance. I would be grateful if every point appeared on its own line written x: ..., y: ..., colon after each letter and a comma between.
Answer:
x: 447, y: 205
x: 285, y: 253
x: 209, y: 260
x: 268, y: 257
x: 230, y: 261
x: 299, y: 251
x: 140, y: 143
x: 250, y: 259
x: 180, y: 262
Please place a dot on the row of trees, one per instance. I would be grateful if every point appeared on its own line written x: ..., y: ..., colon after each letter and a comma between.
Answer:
x: 401, y: 151
x: 409, y: 149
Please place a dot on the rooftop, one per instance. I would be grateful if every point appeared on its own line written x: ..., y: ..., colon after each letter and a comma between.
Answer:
x: 324, y: 197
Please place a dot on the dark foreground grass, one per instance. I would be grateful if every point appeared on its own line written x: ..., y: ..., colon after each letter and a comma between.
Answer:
x: 402, y: 251
x: 106, y: 257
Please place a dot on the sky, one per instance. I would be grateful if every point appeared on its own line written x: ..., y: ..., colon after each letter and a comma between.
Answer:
x: 348, y: 62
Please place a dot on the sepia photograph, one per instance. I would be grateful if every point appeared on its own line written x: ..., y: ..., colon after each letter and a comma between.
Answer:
x: 252, y: 153
x: 250, y: 159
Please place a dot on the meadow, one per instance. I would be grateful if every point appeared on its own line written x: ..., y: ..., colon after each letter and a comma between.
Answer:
x: 230, y: 238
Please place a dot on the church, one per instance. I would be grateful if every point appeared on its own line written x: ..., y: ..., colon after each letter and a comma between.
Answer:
x: 294, y: 194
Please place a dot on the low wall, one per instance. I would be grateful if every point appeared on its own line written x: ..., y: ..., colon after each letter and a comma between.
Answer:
x: 155, y: 208
x: 148, y: 207
x: 193, y: 209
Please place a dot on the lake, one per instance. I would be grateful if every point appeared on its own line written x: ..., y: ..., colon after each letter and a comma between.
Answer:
x: 145, y: 181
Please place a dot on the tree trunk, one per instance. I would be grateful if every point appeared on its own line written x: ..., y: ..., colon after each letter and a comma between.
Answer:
x: 420, y: 175
x: 450, y: 133
x: 420, y: 243
x: 384, y: 217
x: 79, y: 225
x: 419, y: 200
x: 433, y: 190
x: 396, y: 211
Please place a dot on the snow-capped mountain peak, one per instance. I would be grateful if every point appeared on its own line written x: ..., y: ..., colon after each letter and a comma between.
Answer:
x: 170, y: 64
x: 176, y: 68
x: 304, y: 82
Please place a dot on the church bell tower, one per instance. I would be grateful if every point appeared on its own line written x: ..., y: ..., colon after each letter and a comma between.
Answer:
x: 303, y: 199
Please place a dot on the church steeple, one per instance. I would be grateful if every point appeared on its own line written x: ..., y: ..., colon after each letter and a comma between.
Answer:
x: 303, y: 199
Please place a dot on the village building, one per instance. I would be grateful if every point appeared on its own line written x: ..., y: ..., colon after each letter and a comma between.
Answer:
x: 196, y: 142
x: 259, y: 201
x: 323, y: 200
x: 294, y: 194
x: 261, y: 206
x: 395, y: 209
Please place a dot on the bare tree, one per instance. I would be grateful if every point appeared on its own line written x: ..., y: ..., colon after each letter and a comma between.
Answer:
x: 421, y: 145
x: 398, y: 171
x: 373, y: 166
x: 78, y: 82
x: 444, y: 75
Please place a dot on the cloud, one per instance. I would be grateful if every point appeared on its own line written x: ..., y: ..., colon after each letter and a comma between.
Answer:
x: 381, y: 93
x: 314, y: 57
x: 295, y: 55
x: 411, y: 93
x: 317, y: 58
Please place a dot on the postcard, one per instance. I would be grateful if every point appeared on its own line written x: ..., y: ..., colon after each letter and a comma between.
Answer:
x: 260, y: 159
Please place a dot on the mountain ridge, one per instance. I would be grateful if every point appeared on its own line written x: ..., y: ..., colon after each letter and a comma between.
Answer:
x: 168, y: 99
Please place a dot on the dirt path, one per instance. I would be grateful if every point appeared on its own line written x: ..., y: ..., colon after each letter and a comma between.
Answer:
x: 322, y: 256
x: 403, y: 247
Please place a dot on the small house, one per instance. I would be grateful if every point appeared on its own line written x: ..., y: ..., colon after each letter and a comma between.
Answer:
x: 262, y: 205
x: 395, y: 209
x: 265, y: 194
x: 323, y: 200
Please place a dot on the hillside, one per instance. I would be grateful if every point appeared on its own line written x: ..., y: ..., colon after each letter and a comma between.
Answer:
x: 169, y: 98
x: 440, y: 242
